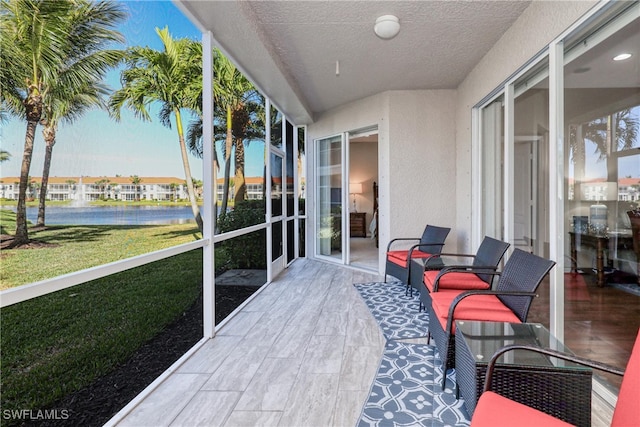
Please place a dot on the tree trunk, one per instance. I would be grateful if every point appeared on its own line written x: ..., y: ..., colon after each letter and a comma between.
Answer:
x: 239, y: 181
x: 33, y: 109
x: 49, y: 133
x: 227, y: 163
x: 187, y: 171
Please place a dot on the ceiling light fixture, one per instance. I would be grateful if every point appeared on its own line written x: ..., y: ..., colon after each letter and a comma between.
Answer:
x: 622, y: 57
x: 387, y: 27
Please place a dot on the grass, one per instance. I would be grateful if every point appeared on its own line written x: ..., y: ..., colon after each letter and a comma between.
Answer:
x: 56, y: 344
x: 75, y: 248
x: 61, y: 342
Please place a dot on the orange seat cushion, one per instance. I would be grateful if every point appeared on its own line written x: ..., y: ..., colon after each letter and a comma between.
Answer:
x: 400, y: 257
x: 627, y: 410
x: 494, y: 410
x: 487, y: 308
x: 454, y: 280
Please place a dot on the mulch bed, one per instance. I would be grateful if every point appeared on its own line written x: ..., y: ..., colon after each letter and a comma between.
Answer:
x: 101, y: 400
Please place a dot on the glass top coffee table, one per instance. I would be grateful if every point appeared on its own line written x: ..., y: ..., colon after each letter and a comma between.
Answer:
x: 557, y: 387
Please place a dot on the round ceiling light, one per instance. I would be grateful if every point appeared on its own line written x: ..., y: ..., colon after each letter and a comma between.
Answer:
x: 387, y: 27
x: 622, y: 57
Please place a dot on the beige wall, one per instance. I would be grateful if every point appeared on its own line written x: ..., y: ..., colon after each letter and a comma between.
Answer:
x: 416, y: 156
x: 422, y: 161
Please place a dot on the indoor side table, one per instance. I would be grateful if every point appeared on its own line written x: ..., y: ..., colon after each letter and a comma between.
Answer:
x: 559, y: 388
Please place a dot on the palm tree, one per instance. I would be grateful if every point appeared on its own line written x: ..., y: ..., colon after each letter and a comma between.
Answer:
x: 172, y: 77
x: 136, y: 180
x: 78, y: 86
x: 173, y: 186
x: 4, y: 156
x: 247, y: 127
x: 103, y: 185
x: 32, y: 34
x: 231, y: 92
x: 39, y: 37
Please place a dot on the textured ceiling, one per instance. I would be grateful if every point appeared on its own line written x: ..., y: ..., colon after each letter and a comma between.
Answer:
x: 290, y: 48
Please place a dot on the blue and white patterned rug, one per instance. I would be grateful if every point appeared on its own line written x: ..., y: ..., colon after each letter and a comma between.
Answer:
x: 396, y: 313
x: 407, y: 388
x: 407, y: 391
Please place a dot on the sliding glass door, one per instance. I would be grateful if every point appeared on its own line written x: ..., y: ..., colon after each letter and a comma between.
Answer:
x: 329, y: 197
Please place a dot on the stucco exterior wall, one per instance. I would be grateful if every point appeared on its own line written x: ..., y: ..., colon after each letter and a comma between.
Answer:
x: 364, y: 113
x: 422, y: 161
x: 541, y: 23
x: 416, y: 156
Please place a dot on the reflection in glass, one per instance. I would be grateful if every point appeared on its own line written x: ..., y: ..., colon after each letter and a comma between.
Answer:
x: 531, y: 185
x: 302, y: 167
x: 276, y: 128
x: 531, y: 159
x: 329, y: 213
x: 301, y: 229
x: 291, y: 236
x: 492, y: 118
x: 291, y: 170
x: 276, y: 185
x: 602, y: 181
x: 276, y: 240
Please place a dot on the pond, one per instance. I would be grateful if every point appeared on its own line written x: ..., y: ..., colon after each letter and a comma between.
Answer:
x: 113, y: 215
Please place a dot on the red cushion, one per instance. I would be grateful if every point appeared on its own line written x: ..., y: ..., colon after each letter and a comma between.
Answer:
x: 486, y: 308
x: 400, y: 257
x: 494, y: 410
x: 454, y: 280
x: 627, y: 412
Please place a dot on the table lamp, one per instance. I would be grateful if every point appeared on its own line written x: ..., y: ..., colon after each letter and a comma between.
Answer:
x: 355, y: 188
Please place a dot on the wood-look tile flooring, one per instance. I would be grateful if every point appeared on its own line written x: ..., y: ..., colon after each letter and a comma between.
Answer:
x: 303, y: 352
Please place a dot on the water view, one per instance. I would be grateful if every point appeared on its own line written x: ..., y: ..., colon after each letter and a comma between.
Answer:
x: 113, y: 215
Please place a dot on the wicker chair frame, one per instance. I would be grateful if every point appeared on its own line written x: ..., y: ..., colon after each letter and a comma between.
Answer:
x: 523, y: 272
x: 432, y: 242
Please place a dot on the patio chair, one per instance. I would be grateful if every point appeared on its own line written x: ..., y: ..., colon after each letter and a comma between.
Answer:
x: 477, y: 275
x: 494, y: 410
x: 510, y: 302
x: 399, y: 261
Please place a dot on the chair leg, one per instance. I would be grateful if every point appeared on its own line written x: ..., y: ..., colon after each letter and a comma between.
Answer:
x: 444, y: 367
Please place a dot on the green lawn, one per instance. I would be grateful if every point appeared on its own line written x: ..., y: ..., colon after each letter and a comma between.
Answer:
x: 61, y: 342
x: 75, y: 248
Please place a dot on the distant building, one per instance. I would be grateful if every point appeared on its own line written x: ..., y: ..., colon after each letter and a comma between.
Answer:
x: 625, y: 190
x: 89, y: 188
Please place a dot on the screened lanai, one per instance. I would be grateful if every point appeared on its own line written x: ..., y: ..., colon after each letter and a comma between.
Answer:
x: 467, y: 118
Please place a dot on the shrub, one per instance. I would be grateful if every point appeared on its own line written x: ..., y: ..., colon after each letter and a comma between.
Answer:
x: 247, y: 251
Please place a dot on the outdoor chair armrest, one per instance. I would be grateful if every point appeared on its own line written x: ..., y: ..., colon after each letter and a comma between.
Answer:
x: 548, y: 352
x: 457, y: 299
x: 400, y: 239
x: 473, y: 269
x: 459, y: 255
x: 412, y: 248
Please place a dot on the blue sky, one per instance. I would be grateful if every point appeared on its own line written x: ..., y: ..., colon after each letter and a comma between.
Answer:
x: 95, y: 145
